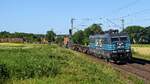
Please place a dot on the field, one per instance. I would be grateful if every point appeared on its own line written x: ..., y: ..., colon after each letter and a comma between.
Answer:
x: 51, y: 64
x: 141, y: 51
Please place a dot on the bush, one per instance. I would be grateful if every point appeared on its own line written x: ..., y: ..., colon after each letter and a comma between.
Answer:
x: 4, y: 74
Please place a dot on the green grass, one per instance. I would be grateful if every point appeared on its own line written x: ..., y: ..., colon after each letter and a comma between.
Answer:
x: 141, y: 51
x: 50, y: 64
x: 140, y: 45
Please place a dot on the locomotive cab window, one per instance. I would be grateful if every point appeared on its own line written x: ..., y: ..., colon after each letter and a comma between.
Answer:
x: 123, y: 39
x: 114, y: 39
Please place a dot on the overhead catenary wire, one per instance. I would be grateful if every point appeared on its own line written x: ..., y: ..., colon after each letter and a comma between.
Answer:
x: 128, y: 5
x: 124, y: 7
x: 136, y: 13
x: 140, y: 20
x: 114, y: 24
x: 131, y: 14
x: 132, y: 3
x: 107, y: 24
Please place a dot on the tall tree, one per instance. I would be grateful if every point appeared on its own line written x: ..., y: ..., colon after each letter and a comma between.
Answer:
x: 78, y: 37
x: 134, y: 33
x: 145, y: 35
x: 50, y: 36
x: 92, y: 30
x: 82, y: 37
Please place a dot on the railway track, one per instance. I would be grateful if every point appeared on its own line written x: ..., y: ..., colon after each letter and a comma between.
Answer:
x: 138, y: 67
x: 139, y: 70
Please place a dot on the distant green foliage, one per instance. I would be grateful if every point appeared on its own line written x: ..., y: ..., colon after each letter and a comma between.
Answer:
x: 138, y: 34
x: 27, y: 37
x: 50, y: 35
x: 82, y: 37
x: 59, y: 40
x: 93, y: 29
x: 145, y: 35
x: 78, y: 37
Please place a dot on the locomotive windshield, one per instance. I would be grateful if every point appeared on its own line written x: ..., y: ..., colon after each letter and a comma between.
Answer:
x: 124, y: 39
x: 115, y: 39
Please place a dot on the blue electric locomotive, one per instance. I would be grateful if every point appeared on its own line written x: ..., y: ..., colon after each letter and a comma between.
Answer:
x: 112, y: 46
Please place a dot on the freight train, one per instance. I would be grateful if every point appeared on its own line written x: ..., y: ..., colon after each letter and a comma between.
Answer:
x: 111, y: 46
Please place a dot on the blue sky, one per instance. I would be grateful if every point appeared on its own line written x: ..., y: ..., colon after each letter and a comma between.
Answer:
x: 38, y: 16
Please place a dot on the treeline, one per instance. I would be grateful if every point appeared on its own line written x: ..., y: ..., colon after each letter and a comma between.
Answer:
x: 19, y: 37
x: 137, y: 34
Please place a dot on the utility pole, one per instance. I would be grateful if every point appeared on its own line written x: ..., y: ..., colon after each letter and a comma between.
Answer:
x: 72, y: 23
x: 72, y: 26
x: 122, y: 21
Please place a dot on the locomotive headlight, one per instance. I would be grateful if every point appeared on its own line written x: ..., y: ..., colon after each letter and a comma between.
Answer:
x: 127, y: 50
x: 114, y: 51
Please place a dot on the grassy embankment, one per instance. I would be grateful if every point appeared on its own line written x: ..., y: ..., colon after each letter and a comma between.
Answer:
x: 50, y: 64
x: 141, y: 51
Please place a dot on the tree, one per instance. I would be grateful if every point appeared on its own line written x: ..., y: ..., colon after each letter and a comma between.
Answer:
x: 82, y: 37
x: 78, y: 37
x: 50, y: 36
x: 27, y: 37
x: 134, y: 33
x: 92, y: 30
x: 4, y: 34
x: 59, y: 40
x: 145, y: 35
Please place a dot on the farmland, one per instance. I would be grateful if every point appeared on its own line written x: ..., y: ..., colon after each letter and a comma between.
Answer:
x: 141, y: 51
x: 43, y: 64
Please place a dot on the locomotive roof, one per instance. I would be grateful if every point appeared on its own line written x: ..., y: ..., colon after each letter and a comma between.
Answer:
x: 109, y: 35
x: 118, y: 34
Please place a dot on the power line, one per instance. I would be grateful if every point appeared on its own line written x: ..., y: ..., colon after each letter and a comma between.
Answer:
x: 127, y: 5
x: 112, y: 22
x: 136, y: 13
x: 72, y: 22
x: 139, y: 20
x: 131, y: 14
